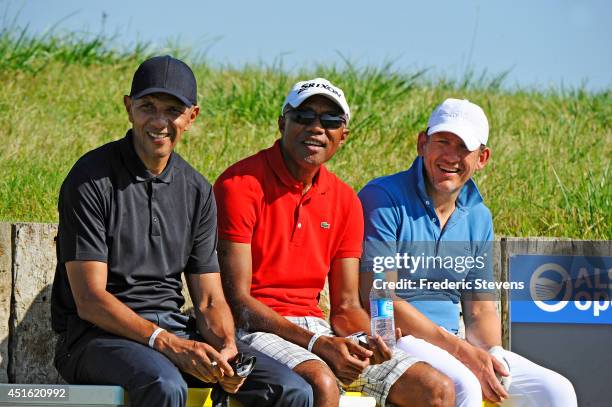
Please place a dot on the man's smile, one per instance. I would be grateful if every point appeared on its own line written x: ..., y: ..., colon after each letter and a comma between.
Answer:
x: 314, y: 145
x: 158, y: 136
x: 448, y: 170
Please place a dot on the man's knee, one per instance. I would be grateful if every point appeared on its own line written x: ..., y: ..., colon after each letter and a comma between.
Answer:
x: 422, y: 385
x: 325, y: 383
x: 320, y: 377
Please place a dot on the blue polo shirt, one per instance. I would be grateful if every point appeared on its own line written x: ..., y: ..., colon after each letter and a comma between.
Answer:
x: 403, y: 234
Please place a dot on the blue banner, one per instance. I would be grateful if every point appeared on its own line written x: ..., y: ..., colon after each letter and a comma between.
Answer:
x: 561, y: 289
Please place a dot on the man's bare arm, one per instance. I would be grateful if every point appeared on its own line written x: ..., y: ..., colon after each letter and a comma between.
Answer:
x: 213, y: 315
x: 409, y: 319
x: 482, y: 324
x: 346, y: 358
x: 96, y: 305
x: 101, y: 308
x: 347, y: 316
x: 483, y: 330
x: 214, y: 320
x: 251, y: 314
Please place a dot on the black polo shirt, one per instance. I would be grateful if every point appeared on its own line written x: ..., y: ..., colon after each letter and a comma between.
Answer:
x: 148, y: 229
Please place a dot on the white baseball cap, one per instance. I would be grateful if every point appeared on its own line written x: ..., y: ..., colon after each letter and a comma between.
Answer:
x: 463, y: 118
x: 318, y: 86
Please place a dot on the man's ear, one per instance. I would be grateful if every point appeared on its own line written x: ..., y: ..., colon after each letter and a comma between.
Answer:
x: 344, y: 136
x: 281, y: 124
x: 195, y: 111
x: 127, y: 102
x: 421, y: 141
x: 483, y: 158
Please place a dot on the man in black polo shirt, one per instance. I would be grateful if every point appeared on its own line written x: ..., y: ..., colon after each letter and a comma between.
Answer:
x: 133, y: 217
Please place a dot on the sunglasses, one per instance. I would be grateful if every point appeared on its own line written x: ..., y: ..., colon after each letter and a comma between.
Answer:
x: 328, y: 120
x: 243, y: 365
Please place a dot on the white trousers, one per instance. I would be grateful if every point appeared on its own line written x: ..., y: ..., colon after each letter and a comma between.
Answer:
x: 532, y: 385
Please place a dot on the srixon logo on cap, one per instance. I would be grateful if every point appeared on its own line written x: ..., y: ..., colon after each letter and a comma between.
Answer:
x: 319, y: 85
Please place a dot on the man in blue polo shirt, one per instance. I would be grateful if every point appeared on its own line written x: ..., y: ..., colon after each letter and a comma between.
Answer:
x: 429, y: 231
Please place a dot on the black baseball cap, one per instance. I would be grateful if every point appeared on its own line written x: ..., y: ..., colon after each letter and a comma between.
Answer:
x: 164, y: 74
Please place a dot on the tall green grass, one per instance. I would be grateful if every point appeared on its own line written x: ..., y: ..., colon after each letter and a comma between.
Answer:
x: 61, y: 96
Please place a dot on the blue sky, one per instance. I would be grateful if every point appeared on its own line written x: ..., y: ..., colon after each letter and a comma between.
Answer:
x: 543, y: 43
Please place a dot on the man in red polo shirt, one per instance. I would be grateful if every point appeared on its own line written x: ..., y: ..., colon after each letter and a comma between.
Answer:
x: 285, y: 225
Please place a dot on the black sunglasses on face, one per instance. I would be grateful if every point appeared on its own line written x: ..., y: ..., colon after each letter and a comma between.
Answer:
x: 306, y: 117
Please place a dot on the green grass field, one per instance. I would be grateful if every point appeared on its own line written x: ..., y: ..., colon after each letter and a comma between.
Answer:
x: 62, y: 96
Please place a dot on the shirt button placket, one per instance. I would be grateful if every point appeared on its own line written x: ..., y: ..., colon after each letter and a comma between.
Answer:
x: 299, y: 225
x: 155, y: 229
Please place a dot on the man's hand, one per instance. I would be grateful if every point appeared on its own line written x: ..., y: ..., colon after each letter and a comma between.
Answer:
x: 499, y: 353
x: 229, y: 352
x: 199, y: 359
x: 485, y: 366
x: 230, y: 384
x: 346, y: 359
x: 381, y: 352
x: 482, y: 331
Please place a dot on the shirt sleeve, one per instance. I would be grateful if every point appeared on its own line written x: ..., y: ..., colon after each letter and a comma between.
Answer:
x: 82, y: 225
x: 350, y: 244
x: 203, y: 256
x: 238, y: 203
x: 380, y: 226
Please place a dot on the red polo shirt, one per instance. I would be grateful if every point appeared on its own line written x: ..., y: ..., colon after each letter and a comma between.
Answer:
x: 293, y: 238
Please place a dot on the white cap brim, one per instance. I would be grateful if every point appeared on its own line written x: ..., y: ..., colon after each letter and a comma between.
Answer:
x: 297, y: 102
x: 465, y: 133
x: 295, y: 98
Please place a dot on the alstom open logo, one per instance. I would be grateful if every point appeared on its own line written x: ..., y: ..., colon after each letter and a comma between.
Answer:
x: 546, y: 284
x: 551, y: 288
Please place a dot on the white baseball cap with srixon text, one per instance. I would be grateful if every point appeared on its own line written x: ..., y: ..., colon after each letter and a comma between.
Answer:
x: 463, y: 118
x: 318, y: 86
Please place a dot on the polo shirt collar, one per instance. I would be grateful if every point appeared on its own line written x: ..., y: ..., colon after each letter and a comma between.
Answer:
x: 275, y: 159
x: 136, y: 167
x: 469, y: 195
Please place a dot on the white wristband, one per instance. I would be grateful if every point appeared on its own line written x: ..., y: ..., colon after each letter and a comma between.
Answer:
x: 154, y: 335
x: 312, y: 341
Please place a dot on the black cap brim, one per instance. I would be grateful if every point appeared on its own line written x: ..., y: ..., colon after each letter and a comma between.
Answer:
x: 149, y: 91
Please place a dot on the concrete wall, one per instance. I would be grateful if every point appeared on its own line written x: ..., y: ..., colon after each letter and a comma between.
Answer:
x: 6, y: 284
x: 32, y: 341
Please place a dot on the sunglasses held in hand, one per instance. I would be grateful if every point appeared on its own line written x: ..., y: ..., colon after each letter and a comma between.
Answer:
x: 243, y: 365
x: 307, y: 117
